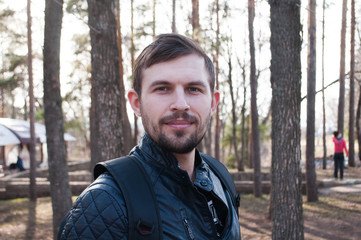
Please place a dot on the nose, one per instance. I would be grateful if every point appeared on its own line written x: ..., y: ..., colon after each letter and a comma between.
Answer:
x: 180, y: 102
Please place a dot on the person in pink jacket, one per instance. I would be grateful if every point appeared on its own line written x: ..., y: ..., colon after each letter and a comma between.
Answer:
x: 338, y: 157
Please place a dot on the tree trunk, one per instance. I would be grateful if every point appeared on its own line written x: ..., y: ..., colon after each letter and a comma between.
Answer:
x: 195, y: 21
x: 174, y: 28
x: 312, y: 195
x: 154, y: 6
x: 217, y: 145
x: 351, y: 132
x: 32, y: 186
x: 128, y: 143
x: 107, y: 138
x: 58, y: 170
x: 234, y: 117
x: 2, y: 110
x: 341, y: 101
x: 324, y: 161
x: 250, y: 141
x: 286, y: 198
x: 358, y: 121
x: 257, y: 187
x: 243, y: 113
x: 132, y: 58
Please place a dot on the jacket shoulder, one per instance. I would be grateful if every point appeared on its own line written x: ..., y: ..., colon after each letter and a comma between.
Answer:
x: 98, y: 213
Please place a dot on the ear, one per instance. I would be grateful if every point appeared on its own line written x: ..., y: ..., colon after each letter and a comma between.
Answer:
x: 134, y: 102
x: 215, y: 100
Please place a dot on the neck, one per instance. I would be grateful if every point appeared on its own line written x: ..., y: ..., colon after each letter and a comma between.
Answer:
x: 186, y: 162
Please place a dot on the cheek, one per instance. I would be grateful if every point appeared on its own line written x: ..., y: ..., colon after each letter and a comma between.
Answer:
x: 202, y: 107
x: 153, y: 110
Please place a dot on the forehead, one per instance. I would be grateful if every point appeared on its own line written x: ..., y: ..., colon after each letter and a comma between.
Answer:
x: 184, y: 68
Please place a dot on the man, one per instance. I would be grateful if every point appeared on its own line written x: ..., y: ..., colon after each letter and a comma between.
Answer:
x: 175, y: 97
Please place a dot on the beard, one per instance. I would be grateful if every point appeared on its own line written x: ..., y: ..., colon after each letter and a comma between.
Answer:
x: 178, y: 141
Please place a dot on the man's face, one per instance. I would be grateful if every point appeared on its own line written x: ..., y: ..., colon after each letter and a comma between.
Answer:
x: 176, y: 102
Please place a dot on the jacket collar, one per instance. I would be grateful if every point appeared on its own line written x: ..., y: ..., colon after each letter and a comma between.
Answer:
x: 155, y: 153
x: 163, y: 157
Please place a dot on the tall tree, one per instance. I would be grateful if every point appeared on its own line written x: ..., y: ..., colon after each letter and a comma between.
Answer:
x: 132, y: 59
x: 233, y: 101
x: 127, y: 130
x: 324, y: 161
x: 358, y: 120
x: 32, y: 186
x: 154, y: 7
x: 257, y: 187
x: 174, y: 27
x: 341, y: 101
x: 351, y: 125
x: 217, y: 145
x: 286, y: 198
x: 58, y: 171
x: 243, y: 119
x: 196, y: 34
x: 311, y: 183
x: 107, y: 133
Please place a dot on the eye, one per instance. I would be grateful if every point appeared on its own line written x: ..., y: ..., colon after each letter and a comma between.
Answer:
x: 161, y: 89
x: 194, y: 90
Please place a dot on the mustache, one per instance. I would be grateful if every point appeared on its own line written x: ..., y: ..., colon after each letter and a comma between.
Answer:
x: 184, y: 115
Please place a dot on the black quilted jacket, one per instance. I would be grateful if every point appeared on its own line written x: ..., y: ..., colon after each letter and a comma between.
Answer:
x: 100, y: 211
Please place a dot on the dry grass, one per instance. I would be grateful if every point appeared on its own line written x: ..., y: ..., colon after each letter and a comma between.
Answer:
x: 23, y: 219
x: 335, y: 216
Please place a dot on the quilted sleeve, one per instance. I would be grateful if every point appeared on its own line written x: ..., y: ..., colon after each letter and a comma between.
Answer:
x: 98, y: 213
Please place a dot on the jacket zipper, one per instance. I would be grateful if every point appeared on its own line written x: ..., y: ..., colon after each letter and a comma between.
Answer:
x: 189, y: 230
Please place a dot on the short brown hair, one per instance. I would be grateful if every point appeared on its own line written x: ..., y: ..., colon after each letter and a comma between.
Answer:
x: 167, y: 47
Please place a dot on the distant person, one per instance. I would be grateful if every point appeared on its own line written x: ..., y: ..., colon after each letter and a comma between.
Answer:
x: 338, y: 157
x: 19, y: 164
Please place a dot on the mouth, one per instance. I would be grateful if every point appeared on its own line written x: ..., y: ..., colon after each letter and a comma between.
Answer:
x: 179, y: 124
x: 179, y: 121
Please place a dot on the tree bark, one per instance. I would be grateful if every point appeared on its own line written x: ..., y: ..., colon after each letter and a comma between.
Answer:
x: 234, y: 117
x: 132, y: 58
x: 243, y: 119
x: 257, y: 187
x: 128, y: 143
x: 341, y: 101
x: 32, y: 186
x: 286, y: 198
x: 250, y: 140
x: 324, y: 161
x: 154, y: 6
x: 217, y: 144
x: 358, y: 120
x: 174, y: 27
x: 107, y: 136
x: 58, y: 171
x: 351, y: 125
x: 195, y: 21
x: 311, y: 184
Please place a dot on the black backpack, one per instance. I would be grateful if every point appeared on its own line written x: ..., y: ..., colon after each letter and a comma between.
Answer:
x: 143, y: 216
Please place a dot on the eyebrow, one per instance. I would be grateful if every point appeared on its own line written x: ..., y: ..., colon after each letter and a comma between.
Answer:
x: 165, y: 82
x: 159, y: 82
x: 198, y: 83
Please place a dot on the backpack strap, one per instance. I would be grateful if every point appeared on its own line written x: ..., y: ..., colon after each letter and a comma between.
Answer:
x: 143, y: 213
x: 221, y: 171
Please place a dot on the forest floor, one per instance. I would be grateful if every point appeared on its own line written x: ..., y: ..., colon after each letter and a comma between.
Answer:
x: 335, y: 216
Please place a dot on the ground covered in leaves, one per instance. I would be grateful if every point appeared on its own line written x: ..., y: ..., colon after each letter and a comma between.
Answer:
x: 335, y: 216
